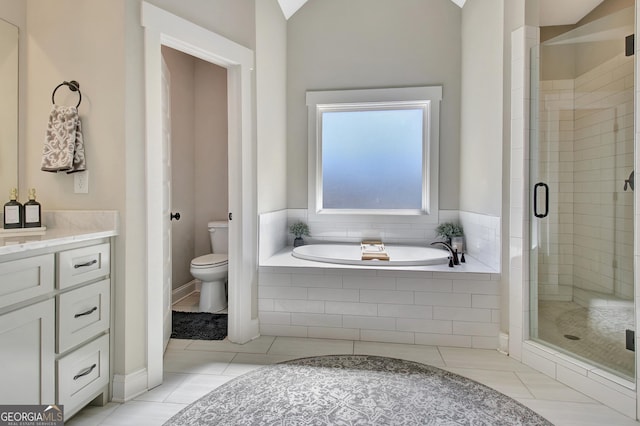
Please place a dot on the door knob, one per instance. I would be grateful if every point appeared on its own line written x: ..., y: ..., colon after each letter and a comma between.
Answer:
x: 175, y: 216
x: 629, y: 182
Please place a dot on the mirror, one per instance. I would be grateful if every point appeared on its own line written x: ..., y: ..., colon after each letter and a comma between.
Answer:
x: 8, y: 108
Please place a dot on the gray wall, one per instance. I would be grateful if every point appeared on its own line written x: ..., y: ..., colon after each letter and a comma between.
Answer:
x: 181, y: 69
x: 337, y: 44
x: 233, y: 19
x: 211, y: 161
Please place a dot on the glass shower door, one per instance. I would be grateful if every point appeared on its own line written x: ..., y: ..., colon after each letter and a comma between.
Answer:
x: 581, y: 185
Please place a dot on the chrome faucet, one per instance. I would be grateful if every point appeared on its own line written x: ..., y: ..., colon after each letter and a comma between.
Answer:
x: 454, y: 253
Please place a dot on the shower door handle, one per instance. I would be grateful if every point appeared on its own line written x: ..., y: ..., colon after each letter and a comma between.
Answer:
x: 535, y: 200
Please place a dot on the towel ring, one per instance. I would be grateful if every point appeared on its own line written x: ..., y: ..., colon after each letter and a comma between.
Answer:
x: 73, y: 85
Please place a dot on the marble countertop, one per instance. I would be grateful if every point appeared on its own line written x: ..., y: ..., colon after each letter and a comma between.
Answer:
x: 284, y: 258
x: 62, y: 227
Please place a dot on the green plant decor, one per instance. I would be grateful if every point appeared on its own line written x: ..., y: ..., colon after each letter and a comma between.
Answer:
x: 299, y: 229
x: 449, y: 229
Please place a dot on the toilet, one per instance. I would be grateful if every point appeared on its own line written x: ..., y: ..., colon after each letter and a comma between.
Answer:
x: 211, y: 269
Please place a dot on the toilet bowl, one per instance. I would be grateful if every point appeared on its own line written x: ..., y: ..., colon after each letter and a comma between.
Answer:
x: 212, y: 270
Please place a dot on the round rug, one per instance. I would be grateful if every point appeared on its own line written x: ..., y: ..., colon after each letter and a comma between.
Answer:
x: 354, y: 390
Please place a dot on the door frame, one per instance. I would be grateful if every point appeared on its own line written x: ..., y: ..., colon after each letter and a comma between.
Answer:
x: 163, y: 28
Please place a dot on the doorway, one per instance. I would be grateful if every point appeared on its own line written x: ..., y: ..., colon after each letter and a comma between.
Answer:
x: 165, y: 29
x: 199, y: 163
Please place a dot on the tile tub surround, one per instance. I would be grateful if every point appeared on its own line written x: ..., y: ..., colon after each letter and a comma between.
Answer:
x: 427, y: 305
x: 482, y: 232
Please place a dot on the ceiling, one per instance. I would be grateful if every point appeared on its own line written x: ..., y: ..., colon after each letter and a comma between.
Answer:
x: 565, y: 12
x: 289, y: 7
x: 552, y: 12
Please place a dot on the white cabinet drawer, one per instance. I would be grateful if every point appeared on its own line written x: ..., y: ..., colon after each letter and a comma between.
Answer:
x: 83, y: 264
x: 83, y: 373
x: 24, y: 279
x: 82, y: 313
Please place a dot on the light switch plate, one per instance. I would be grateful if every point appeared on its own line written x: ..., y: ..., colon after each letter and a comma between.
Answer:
x: 81, y: 182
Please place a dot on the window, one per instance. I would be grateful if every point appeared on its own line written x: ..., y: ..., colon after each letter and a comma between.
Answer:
x: 374, y: 152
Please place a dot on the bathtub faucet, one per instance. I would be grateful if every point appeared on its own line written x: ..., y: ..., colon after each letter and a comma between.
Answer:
x: 454, y: 253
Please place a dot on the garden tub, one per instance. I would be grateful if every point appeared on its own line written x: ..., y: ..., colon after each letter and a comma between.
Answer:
x: 351, y: 254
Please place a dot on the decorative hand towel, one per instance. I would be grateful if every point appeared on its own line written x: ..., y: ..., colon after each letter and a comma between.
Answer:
x: 63, y: 145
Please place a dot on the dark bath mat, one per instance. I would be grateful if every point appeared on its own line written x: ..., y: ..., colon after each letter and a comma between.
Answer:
x: 199, y: 326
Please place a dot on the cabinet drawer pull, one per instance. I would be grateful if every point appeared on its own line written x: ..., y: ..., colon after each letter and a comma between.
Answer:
x: 85, y: 372
x: 82, y: 265
x: 89, y: 312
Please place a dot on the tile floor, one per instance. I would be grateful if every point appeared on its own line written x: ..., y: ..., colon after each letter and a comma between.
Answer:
x: 193, y: 368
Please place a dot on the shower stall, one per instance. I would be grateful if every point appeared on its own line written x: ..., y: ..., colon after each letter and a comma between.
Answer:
x: 581, y: 192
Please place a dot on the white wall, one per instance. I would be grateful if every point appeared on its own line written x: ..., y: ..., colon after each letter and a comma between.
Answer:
x: 57, y: 51
x: 9, y: 92
x: 336, y: 44
x: 100, y: 44
x: 15, y: 12
x: 271, y: 89
x: 514, y: 17
x: 481, y: 107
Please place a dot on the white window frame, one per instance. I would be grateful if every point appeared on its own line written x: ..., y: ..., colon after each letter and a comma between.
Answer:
x: 426, y: 98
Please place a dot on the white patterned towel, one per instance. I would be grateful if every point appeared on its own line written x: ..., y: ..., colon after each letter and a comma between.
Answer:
x: 63, y: 144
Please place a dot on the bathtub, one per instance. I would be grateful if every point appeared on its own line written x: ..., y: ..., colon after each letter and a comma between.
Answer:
x: 350, y: 254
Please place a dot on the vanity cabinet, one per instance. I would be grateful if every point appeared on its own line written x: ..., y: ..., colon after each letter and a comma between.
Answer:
x: 55, y: 322
x: 27, y: 359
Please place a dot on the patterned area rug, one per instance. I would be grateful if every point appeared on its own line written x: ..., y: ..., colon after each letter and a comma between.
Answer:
x: 354, y: 390
x: 199, y: 326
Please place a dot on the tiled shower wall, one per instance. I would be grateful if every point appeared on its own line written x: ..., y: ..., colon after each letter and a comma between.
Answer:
x: 553, y: 237
x: 603, y: 159
x: 586, y: 153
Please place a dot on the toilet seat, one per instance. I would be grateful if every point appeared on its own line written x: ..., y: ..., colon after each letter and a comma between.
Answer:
x: 209, y: 260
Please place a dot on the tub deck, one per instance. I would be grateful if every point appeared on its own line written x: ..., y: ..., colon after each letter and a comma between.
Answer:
x: 284, y: 258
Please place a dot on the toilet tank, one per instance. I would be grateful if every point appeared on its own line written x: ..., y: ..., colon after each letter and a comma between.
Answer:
x: 219, y: 232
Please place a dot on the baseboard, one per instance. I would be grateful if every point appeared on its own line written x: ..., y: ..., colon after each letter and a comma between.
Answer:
x: 127, y: 387
x: 183, y: 291
x: 503, y: 343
